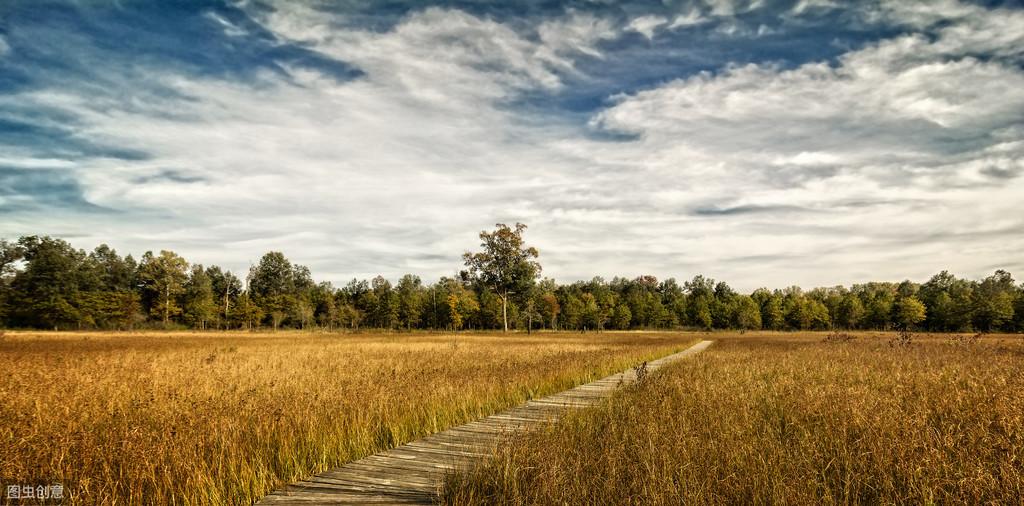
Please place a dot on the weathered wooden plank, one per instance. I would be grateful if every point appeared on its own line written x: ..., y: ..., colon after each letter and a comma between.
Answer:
x: 413, y: 473
x: 384, y: 469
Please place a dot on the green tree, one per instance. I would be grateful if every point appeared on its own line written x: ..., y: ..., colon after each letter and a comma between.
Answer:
x: 199, y: 306
x: 350, y: 316
x: 850, y: 312
x: 324, y: 302
x: 942, y: 313
x: 410, y: 300
x: 1018, y: 310
x: 591, y: 317
x: 908, y: 311
x: 818, y: 316
x: 621, y: 317
x: 303, y: 311
x: 385, y: 309
x: 280, y: 289
x: 531, y: 304
x: 673, y: 299
x: 879, y: 309
x: 163, y: 276
x: 795, y: 309
x: 113, y: 273
x: 572, y: 312
x: 993, y: 301
x: 10, y: 254
x: 47, y: 291
x: 491, y: 310
x: 772, y: 315
x: 226, y: 289
x: 701, y: 313
x: 747, y: 313
x: 506, y: 264
x: 245, y: 313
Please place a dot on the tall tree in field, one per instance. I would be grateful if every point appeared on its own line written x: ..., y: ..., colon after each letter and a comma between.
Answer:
x: 164, y: 278
x: 506, y: 265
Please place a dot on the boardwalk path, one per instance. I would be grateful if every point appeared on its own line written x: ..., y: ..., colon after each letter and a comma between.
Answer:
x: 413, y: 473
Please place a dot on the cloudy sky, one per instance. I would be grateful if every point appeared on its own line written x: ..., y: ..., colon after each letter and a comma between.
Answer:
x: 762, y: 142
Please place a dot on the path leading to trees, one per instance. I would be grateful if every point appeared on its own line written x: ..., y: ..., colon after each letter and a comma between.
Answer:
x: 413, y: 473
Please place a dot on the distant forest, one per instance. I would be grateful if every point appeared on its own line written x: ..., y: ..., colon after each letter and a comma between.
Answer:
x: 46, y: 283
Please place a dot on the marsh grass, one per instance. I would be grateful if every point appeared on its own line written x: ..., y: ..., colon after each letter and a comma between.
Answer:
x: 769, y: 419
x: 216, y: 418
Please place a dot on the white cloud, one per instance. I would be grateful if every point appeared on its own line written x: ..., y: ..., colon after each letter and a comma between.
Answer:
x: 439, y: 53
x: 901, y: 159
x: 725, y: 8
x: 691, y: 18
x: 808, y: 5
x: 646, y: 25
x: 4, y: 47
x: 892, y: 125
x: 575, y: 32
x: 390, y: 173
x: 920, y: 13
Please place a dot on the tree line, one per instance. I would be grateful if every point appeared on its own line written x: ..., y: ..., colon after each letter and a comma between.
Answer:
x: 46, y: 283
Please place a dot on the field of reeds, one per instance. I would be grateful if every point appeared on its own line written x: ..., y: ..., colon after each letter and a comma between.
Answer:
x: 222, y: 418
x: 787, y: 418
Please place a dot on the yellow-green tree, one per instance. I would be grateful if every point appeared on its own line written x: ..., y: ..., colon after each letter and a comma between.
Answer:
x: 506, y: 265
x: 907, y: 312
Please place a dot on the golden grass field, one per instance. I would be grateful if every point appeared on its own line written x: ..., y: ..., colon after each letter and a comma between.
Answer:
x: 223, y: 418
x: 786, y: 418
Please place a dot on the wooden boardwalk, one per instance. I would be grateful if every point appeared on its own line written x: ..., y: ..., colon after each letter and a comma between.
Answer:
x: 413, y: 473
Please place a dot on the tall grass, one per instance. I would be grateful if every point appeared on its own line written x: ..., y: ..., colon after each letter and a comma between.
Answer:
x: 190, y: 418
x: 786, y: 419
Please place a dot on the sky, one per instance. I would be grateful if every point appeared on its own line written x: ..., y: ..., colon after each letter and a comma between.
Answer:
x: 761, y: 142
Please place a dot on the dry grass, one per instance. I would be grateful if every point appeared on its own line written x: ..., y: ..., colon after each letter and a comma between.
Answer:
x: 796, y: 419
x: 217, y: 418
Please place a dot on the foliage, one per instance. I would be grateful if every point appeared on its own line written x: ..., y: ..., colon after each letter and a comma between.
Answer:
x: 163, y: 280
x: 506, y: 265
x: 45, y: 283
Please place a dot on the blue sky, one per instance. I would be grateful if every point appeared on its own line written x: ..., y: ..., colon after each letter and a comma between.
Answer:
x: 813, y: 142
